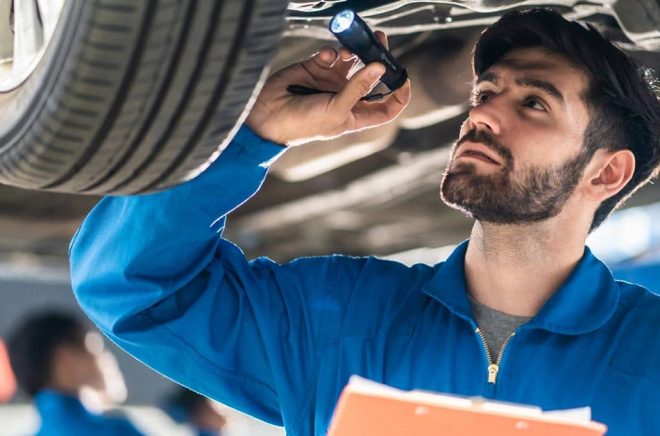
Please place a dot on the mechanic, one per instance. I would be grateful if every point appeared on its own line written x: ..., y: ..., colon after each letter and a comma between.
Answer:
x: 563, y: 128
x: 55, y: 357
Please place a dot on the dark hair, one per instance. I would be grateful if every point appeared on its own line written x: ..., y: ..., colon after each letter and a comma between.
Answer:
x: 33, y: 343
x: 623, y: 108
x: 183, y: 404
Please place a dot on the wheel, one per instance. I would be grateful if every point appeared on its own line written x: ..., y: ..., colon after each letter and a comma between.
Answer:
x: 125, y: 96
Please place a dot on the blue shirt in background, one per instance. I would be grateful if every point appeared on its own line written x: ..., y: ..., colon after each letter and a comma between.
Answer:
x: 65, y: 415
x: 645, y: 273
x: 279, y: 341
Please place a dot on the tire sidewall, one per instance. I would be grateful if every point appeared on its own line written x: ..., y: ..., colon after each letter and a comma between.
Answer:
x: 21, y: 107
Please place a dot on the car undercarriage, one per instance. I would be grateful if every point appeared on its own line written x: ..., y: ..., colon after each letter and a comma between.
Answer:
x: 371, y: 192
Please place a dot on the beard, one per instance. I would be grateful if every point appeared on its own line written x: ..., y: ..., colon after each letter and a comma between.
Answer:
x: 533, y: 195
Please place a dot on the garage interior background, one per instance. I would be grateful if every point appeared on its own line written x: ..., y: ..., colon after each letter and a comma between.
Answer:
x: 373, y: 192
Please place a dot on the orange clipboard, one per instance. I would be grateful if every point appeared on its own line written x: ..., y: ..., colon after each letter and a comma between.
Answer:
x: 366, y: 408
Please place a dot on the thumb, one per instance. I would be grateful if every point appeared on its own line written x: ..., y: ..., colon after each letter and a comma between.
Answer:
x: 360, y: 84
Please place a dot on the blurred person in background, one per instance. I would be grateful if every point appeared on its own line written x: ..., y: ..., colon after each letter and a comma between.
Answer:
x: 190, y: 408
x: 61, y: 364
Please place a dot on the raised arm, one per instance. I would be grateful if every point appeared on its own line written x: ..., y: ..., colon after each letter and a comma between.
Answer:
x: 154, y: 273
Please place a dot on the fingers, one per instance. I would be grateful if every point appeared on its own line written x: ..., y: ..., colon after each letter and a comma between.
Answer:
x: 373, y: 114
x: 346, y: 54
x: 358, y: 86
x: 324, y: 59
x: 382, y: 38
x: 348, y: 61
x: 328, y: 64
x: 351, y: 58
x: 402, y: 95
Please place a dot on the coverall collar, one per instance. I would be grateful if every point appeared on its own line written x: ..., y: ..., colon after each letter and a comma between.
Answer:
x: 53, y: 401
x: 585, y: 302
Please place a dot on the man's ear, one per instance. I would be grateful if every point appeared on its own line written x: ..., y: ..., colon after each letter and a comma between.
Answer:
x: 61, y: 361
x: 609, y: 172
x: 64, y: 356
x: 67, y: 356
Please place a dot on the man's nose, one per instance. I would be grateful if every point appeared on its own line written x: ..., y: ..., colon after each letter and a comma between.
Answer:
x: 488, y: 115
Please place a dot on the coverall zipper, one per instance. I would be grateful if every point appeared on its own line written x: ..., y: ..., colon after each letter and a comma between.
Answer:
x: 493, y: 367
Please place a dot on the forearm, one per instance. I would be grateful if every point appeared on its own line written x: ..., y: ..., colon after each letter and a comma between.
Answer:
x: 131, y: 252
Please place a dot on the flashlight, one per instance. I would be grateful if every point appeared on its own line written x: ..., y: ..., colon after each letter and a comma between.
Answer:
x: 355, y: 34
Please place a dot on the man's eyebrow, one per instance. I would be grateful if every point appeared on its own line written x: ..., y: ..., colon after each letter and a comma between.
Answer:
x: 486, y: 76
x: 529, y: 82
x: 543, y: 85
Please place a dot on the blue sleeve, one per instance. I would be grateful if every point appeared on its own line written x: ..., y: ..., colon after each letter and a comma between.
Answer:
x: 111, y: 426
x: 154, y: 274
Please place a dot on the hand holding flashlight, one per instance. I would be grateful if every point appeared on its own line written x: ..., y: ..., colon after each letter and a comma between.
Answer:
x: 355, y: 35
x: 292, y: 119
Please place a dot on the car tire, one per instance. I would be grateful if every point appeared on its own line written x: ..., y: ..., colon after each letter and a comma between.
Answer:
x: 136, y: 96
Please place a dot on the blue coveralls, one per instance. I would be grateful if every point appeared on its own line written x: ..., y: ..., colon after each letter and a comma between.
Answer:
x: 280, y: 341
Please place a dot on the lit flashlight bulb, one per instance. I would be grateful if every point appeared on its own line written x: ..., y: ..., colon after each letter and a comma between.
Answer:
x: 355, y: 34
x: 342, y: 21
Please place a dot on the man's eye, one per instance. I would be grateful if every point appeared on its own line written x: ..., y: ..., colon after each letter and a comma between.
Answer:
x: 534, y: 103
x: 479, y: 97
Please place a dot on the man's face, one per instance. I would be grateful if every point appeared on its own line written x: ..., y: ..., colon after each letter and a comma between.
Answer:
x: 79, y: 362
x: 520, y: 154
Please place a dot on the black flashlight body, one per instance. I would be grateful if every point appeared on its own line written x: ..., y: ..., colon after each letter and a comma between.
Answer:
x: 359, y: 39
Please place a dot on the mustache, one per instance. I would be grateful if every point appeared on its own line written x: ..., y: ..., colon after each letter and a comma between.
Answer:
x: 483, y: 137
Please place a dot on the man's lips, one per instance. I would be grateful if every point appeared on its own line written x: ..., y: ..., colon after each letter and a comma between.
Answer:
x: 477, y: 151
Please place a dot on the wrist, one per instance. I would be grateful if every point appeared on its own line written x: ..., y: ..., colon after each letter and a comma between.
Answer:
x: 264, y: 133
